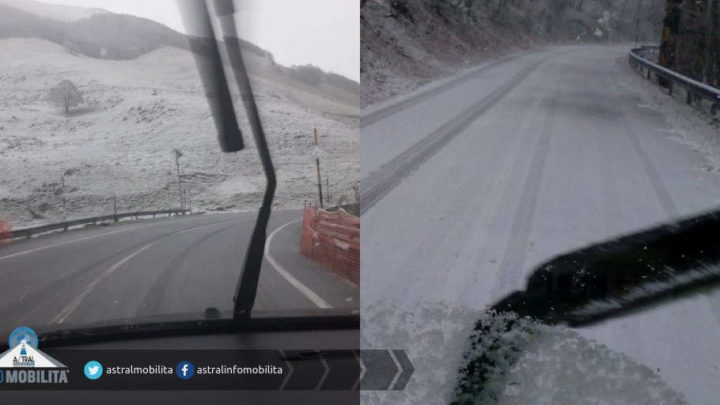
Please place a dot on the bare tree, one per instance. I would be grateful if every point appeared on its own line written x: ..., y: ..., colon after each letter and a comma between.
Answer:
x: 691, y: 39
x: 670, y: 34
x: 712, y: 57
x: 65, y: 95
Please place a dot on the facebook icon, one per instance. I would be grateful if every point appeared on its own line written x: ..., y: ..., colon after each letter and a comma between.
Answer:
x: 185, y: 370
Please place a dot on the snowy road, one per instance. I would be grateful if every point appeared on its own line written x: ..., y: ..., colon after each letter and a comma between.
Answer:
x: 154, y: 267
x: 465, y: 191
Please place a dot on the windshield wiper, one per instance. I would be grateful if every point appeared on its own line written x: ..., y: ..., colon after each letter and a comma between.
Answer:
x: 197, y: 18
x: 623, y: 275
x: 603, y: 281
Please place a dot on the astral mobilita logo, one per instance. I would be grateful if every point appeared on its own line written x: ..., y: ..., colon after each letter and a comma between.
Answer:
x: 24, y: 363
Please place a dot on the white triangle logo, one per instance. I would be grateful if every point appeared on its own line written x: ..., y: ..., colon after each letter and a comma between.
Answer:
x: 25, y: 355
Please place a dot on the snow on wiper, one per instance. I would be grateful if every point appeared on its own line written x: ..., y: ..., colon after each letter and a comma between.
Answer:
x: 696, y: 280
x: 607, y: 280
x: 622, y: 275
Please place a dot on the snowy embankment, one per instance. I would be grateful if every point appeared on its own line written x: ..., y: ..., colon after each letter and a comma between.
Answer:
x: 407, y: 44
x: 120, y: 141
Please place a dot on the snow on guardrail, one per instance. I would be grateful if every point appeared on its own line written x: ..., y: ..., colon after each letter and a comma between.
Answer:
x: 694, y: 89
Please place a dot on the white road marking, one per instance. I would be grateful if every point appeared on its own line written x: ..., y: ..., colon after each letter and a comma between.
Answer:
x: 304, y: 290
x: 25, y: 252
x: 75, y: 303
x: 72, y: 306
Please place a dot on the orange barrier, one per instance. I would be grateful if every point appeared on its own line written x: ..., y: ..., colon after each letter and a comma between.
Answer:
x: 5, y: 231
x: 332, y: 240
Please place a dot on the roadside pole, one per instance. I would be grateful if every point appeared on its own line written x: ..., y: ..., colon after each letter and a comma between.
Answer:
x: 62, y: 190
x: 115, y: 207
x: 177, y: 167
x: 317, y: 166
x: 188, y: 198
x: 328, y: 198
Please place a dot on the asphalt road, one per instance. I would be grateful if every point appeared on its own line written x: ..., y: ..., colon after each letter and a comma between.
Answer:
x: 466, y: 190
x: 162, y: 266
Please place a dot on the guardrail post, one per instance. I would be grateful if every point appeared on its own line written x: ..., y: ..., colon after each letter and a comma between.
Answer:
x: 649, y: 74
x: 714, y: 108
x: 689, y: 97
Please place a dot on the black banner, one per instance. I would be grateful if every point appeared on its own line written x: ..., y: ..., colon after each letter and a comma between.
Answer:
x: 257, y: 370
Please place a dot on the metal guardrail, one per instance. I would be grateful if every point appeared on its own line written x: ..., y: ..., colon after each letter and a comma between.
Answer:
x: 29, y: 232
x: 694, y: 89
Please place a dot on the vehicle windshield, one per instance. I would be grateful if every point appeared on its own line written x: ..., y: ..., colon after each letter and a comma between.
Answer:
x: 498, y: 135
x: 116, y: 201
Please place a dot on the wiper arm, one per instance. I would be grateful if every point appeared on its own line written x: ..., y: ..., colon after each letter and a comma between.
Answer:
x: 196, y: 12
x: 247, y: 285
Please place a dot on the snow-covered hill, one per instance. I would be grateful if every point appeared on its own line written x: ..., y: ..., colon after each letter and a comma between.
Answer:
x: 58, y: 12
x: 136, y: 111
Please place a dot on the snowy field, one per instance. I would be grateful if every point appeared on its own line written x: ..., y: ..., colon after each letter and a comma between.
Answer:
x: 121, y: 139
x: 581, y: 150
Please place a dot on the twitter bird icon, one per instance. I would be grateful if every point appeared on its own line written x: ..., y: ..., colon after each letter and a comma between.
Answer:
x: 93, y: 370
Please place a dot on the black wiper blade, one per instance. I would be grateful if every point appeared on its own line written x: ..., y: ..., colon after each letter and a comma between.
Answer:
x: 207, y: 58
x: 623, y: 275
x: 197, y: 14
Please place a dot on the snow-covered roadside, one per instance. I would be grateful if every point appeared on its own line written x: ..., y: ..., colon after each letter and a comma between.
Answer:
x: 692, y: 128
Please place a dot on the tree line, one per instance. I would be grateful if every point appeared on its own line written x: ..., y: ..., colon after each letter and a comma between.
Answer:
x: 690, y: 43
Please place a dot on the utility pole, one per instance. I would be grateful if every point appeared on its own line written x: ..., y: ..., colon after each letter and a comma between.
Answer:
x: 317, y: 165
x: 178, y: 154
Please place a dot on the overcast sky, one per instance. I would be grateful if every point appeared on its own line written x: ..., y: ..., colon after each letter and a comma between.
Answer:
x: 325, y: 33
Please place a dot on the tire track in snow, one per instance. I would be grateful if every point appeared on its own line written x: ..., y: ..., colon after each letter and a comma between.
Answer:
x: 511, y: 266
x: 656, y: 183
x: 379, y: 183
x: 378, y: 115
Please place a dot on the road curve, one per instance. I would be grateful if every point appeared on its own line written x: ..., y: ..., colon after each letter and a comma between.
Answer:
x: 151, y: 267
x: 473, y: 186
